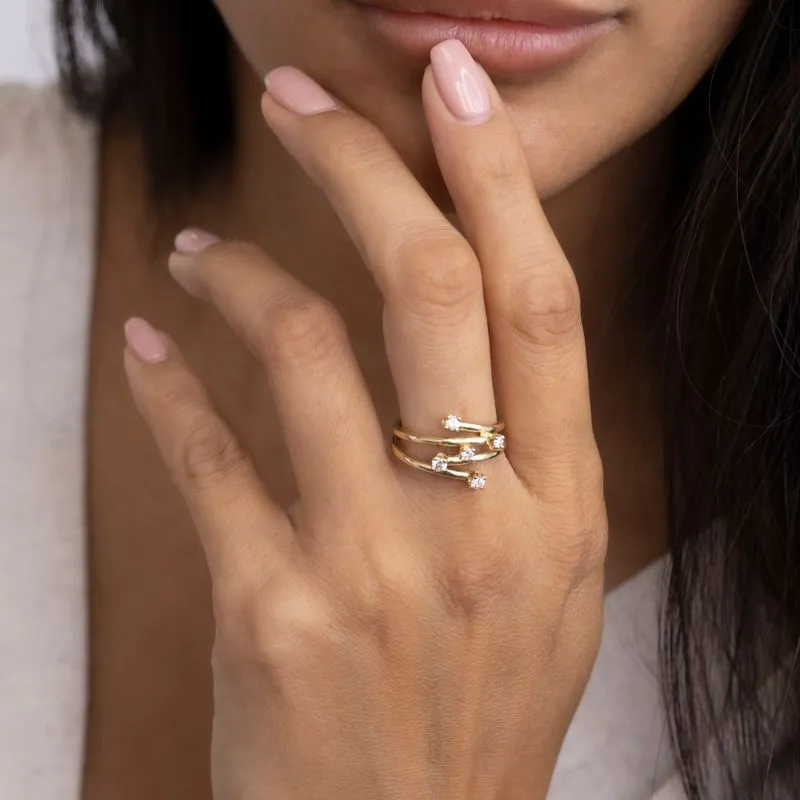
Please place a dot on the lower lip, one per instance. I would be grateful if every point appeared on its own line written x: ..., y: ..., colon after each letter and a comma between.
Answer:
x: 501, y: 46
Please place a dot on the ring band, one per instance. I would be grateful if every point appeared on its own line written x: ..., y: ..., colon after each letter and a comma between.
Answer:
x: 491, y: 436
x: 467, y: 454
x: 488, y: 434
x: 475, y: 480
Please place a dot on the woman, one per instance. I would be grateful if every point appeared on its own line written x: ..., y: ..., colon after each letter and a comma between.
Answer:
x: 420, y: 619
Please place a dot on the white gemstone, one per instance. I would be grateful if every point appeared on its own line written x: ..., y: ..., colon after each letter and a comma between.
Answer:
x: 439, y: 463
x: 476, y: 480
x: 452, y: 423
x: 498, y: 442
x: 467, y: 452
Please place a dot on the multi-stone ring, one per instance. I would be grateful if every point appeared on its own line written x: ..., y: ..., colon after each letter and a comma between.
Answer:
x: 484, y: 443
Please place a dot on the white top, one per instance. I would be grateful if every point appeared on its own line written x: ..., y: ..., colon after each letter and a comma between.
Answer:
x: 617, y: 746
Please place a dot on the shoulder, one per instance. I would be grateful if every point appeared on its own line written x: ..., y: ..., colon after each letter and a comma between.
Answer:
x: 42, y: 143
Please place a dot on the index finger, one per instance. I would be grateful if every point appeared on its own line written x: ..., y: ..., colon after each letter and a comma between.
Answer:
x: 435, y: 327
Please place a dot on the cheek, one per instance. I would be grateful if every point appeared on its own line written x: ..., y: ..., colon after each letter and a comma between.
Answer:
x: 573, y: 122
x: 268, y: 32
x: 247, y: 22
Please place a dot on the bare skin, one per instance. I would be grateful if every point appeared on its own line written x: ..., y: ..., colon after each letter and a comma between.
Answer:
x: 150, y: 587
x: 152, y: 625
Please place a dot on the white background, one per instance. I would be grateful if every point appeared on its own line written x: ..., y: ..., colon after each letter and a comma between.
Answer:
x: 25, y: 46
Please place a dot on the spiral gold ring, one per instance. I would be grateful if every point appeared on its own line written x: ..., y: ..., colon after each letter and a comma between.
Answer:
x: 482, y: 443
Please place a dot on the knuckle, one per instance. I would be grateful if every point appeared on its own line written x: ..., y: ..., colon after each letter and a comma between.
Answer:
x: 581, y: 551
x: 595, y: 549
x: 275, y: 625
x: 477, y: 576
x: 389, y: 577
x: 363, y: 148
x: 591, y: 547
x: 300, y: 329
x: 591, y: 532
x: 176, y: 394
x: 229, y: 598
x: 507, y: 170
x: 546, y: 309
x: 593, y: 473
x: 291, y: 626
x: 438, y: 275
x: 210, y: 451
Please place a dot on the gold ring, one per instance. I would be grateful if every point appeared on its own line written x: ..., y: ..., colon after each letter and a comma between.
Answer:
x: 487, y: 442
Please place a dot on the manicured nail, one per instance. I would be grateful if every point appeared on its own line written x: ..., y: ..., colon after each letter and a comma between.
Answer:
x: 189, y: 243
x: 461, y: 83
x: 194, y: 240
x: 183, y: 269
x: 294, y: 90
x: 148, y: 344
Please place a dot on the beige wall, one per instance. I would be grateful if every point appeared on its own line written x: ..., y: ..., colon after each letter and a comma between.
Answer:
x: 25, y: 40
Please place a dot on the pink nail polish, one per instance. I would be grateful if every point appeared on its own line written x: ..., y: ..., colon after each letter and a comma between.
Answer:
x: 194, y: 240
x: 145, y: 341
x: 183, y: 269
x: 294, y: 90
x: 461, y: 83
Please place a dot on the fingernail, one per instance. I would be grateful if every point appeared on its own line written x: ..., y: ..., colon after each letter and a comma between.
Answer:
x: 194, y: 240
x: 188, y: 243
x: 148, y: 343
x: 460, y: 82
x: 294, y: 90
x: 182, y: 268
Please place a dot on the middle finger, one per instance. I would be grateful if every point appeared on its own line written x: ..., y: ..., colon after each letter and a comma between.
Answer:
x: 435, y: 324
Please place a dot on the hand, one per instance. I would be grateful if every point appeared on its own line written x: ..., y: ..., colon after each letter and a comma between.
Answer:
x: 399, y: 635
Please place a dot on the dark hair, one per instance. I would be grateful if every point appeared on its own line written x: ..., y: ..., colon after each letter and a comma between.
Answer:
x: 730, y: 310
x: 163, y: 63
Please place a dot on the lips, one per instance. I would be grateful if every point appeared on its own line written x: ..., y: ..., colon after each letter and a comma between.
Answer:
x: 544, y: 13
x: 507, y: 37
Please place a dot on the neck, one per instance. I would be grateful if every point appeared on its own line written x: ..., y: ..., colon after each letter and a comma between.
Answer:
x: 266, y: 198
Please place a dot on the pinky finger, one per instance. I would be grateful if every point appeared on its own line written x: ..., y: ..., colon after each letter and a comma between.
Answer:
x: 239, y: 524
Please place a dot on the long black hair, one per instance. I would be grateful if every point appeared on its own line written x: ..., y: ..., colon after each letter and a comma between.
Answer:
x: 729, y: 306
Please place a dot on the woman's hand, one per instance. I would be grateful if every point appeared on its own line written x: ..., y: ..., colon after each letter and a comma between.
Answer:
x: 399, y: 635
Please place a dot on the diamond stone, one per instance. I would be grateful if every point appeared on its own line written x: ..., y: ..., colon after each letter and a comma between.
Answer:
x: 476, y: 480
x: 439, y: 463
x: 452, y: 423
x: 467, y: 452
x: 498, y: 442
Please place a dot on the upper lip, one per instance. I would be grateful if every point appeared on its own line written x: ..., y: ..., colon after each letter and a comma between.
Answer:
x: 539, y: 12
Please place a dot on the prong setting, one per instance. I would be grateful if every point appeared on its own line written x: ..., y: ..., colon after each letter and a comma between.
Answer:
x: 476, y: 480
x: 467, y: 452
x: 452, y: 423
x: 476, y: 442
x: 439, y: 463
x: 497, y: 442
